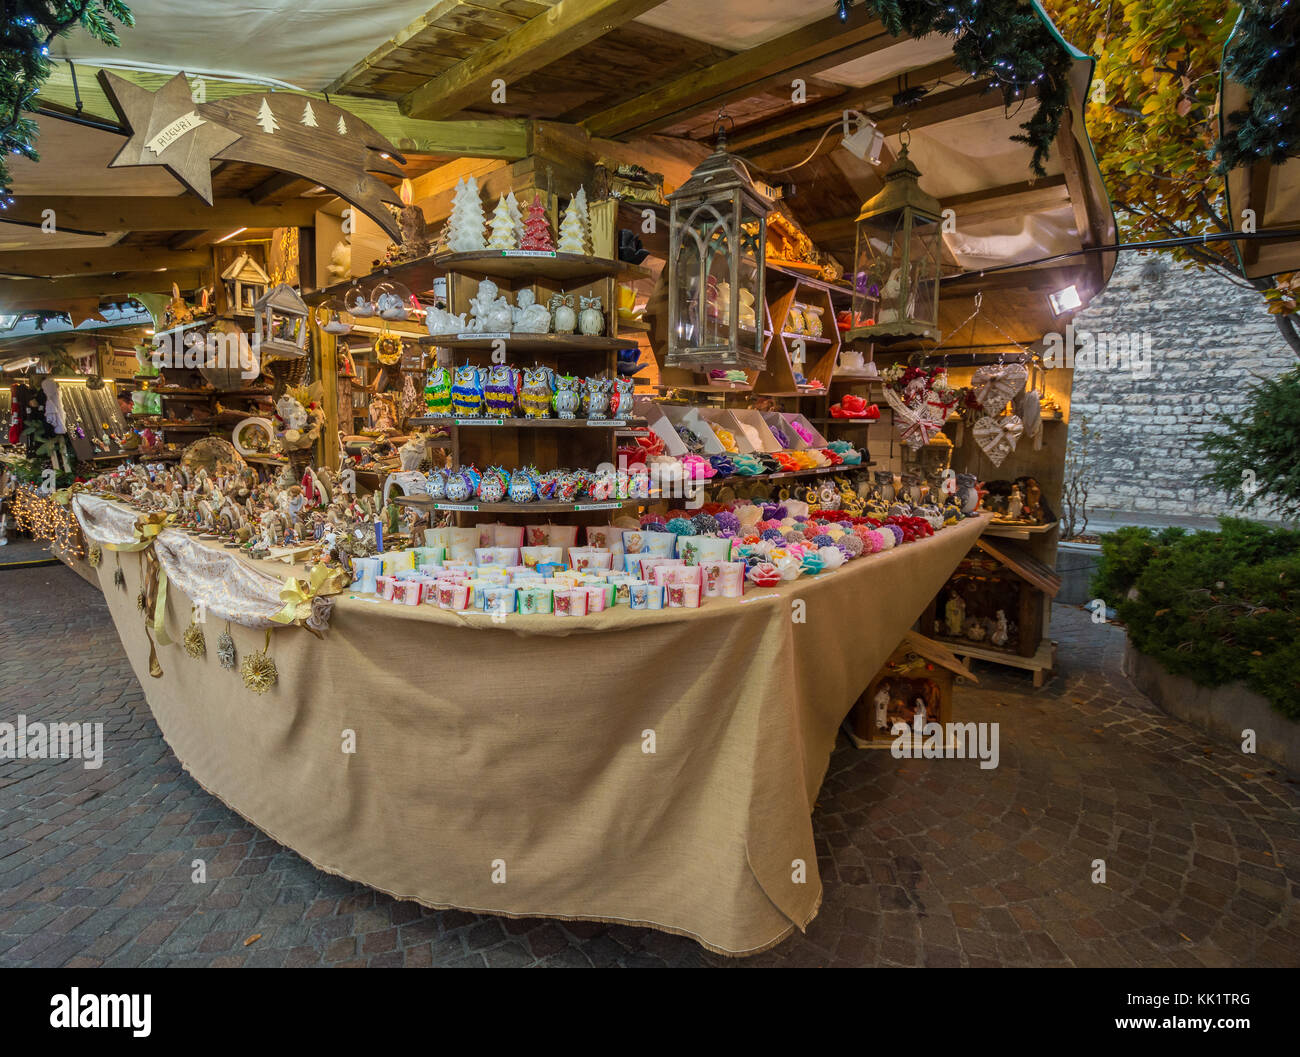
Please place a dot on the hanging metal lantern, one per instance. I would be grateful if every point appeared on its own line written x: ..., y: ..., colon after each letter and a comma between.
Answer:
x: 281, y: 323
x: 898, y: 260
x: 717, y: 241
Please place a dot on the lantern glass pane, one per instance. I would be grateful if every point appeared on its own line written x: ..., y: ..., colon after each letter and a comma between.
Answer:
x: 703, y: 278
x: 927, y: 239
x: 749, y: 281
x: 896, y: 268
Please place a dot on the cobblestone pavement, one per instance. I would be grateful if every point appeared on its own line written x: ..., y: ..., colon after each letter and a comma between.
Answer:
x: 924, y: 862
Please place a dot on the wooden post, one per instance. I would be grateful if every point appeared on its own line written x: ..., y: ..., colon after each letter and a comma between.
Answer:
x: 327, y: 370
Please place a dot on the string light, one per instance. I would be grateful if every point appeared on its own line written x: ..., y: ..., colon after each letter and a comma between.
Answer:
x: 44, y: 519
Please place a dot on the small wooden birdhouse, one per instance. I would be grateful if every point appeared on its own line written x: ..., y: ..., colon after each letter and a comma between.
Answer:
x: 994, y: 606
x: 917, y: 679
x: 281, y: 323
x: 246, y: 284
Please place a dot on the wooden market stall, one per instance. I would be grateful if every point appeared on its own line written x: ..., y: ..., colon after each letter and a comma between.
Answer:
x: 454, y: 245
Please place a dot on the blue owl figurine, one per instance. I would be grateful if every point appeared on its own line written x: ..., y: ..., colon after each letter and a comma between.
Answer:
x: 467, y: 392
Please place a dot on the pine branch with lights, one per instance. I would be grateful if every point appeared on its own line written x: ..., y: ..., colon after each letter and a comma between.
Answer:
x: 1263, y: 58
x: 1003, y: 40
x: 25, y: 35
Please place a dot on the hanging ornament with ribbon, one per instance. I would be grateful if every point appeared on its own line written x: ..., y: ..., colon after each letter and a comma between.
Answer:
x: 997, y: 437
x: 258, y: 670
x: 226, y: 648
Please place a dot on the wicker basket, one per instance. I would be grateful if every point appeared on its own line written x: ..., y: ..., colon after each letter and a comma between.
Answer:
x: 285, y: 373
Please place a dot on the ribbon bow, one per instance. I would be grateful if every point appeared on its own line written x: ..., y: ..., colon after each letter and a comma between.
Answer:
x: 306, y: 602
x: 147, y: 529
x: 916, y: 426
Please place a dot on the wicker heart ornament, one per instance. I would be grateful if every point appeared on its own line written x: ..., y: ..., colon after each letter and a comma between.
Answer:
x: 997, y: 437
x: 997, y: 384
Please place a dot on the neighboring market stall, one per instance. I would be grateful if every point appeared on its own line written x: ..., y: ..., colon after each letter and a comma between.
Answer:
x: 527, y: 485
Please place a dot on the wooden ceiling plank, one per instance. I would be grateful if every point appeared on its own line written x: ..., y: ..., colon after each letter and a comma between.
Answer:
x: 1026, y: 196
x: 24, y: 294
x: 51, y: 263
x: 391, y: 50
x: 818, y: 46
x: 936, y: 108
x: 279, y: 187
x: 87, y: 215
x: 538, y: 42
x: 817, y: 114
x: 1076, y: 181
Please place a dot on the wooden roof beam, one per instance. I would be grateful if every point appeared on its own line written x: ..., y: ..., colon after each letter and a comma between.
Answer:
x: 394, y: 54
x: 1026, y: 196
x: 805, y: 52
x: 279, y: 187
x: 541, y: 40
x: 95, y: 216
x: 975, y: 98
x: 1085, y: 222
x: 818, y: 115
x: 96, y: 261
x: 29, y: 294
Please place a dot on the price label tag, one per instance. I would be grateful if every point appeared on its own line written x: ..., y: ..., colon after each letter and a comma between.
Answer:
x: 528, y: 253
x: 614, y: 422
x: 480, y: 421
x: 597, y: 506
x: 468, y: 508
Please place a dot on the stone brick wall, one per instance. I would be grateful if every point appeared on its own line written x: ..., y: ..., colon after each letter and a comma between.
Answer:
x: 1207, y: 338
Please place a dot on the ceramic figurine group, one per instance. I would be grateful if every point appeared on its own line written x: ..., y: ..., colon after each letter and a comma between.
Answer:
x: 501, y: 391
x: 229, y: 504
x: 525, y: 485
x: 490, y: 312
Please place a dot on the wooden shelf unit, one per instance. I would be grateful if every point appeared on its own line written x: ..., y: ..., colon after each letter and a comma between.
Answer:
x: 514, y: 442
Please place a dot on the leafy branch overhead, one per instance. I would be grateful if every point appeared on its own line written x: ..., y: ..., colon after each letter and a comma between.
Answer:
x: 1153, y: 119
x: 25, y: 35
x: 1004, y: 40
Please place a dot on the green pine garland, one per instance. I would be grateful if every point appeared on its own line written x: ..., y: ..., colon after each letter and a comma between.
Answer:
x: 1262, y: 57
x: 1005, y: 40
x: 25, y: 34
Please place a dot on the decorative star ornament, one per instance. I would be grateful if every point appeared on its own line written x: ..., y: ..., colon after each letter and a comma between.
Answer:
x: 168, y: 130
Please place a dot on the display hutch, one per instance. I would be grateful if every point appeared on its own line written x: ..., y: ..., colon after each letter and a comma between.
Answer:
x: 543, y: 443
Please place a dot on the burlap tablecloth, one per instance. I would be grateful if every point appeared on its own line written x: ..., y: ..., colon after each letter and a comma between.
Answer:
x: 504, y: 768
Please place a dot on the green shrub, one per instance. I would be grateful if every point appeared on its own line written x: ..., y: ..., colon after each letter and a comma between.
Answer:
x: 1214, y: 606
x: 1253, y: 456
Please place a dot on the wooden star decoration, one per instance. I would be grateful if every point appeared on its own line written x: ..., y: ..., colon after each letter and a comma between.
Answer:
x: 168, y: 130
